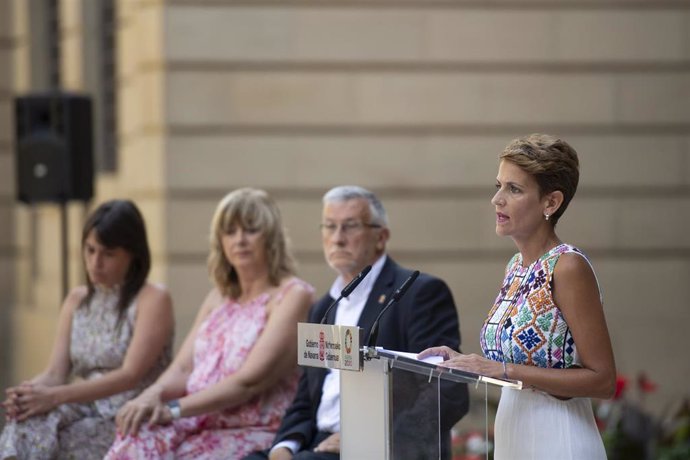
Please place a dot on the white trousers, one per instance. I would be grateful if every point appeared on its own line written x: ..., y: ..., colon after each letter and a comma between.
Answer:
x: 532, y: 425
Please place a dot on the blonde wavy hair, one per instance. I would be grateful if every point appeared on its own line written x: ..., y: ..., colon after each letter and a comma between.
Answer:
x: 248, y: 208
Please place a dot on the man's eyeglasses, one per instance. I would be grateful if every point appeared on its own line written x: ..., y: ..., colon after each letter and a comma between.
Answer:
x: 350, y: 227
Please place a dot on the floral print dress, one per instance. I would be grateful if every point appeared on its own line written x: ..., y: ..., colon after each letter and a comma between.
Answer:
x: 525, y: 326
x: 84, y: 431
x: 223, y: 342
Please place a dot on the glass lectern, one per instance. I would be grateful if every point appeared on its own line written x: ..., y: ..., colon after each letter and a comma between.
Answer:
x: 400, y: 408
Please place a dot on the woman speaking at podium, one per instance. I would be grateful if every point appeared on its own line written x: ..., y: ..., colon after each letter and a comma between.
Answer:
x: 547, y: 326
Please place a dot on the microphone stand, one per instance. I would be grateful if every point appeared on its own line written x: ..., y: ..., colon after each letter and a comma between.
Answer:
x: 347, y: 290
x: 374, y: 332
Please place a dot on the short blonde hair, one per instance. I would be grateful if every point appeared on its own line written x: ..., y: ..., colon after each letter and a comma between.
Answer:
x: 551, y: 161
x: 248, y: 208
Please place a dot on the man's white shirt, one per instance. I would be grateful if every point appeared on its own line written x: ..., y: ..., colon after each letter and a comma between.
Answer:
x: 347, y: 313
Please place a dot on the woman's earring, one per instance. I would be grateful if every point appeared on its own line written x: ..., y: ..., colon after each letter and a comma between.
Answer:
x: 546, y: 216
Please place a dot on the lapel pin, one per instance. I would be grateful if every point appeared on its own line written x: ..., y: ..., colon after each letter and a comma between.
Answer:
x: 382, y: 298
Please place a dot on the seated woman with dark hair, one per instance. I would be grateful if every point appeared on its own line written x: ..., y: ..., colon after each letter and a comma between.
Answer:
x: 114, y: 338
x: 229, y: 385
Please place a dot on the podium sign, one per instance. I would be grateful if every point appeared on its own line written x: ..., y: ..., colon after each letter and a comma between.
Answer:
x: 329, y: 346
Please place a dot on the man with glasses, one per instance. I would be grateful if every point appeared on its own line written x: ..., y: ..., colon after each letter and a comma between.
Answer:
x: 354, y: 233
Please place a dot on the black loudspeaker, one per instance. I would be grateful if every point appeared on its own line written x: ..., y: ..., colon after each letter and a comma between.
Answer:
x: 54, y: 147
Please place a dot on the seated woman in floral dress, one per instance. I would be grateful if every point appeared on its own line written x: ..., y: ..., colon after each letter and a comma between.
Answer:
x: 114, y: 338
x: 229, y: 385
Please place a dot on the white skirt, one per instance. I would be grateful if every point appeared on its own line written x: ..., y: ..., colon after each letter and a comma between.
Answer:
x: 532, y: 425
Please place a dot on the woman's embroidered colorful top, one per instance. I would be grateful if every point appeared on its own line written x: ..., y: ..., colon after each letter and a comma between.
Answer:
x: 525, y: 326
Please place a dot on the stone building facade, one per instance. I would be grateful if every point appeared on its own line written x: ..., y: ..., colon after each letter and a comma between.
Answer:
x: 411, y: 98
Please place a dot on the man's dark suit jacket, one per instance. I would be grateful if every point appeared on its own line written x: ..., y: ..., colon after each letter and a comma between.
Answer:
x: 425, y: 316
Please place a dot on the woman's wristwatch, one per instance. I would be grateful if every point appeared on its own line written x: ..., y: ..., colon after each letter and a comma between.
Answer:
x: 174, y: 407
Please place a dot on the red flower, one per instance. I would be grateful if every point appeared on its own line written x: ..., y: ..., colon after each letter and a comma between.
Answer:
x: 621, y: 383
x: 644, y: 384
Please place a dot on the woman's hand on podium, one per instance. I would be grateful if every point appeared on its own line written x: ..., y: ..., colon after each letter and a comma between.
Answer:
x: 468, y: 363
x: 445, y: 352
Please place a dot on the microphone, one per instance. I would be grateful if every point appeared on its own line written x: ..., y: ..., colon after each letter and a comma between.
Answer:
x: 373, y: 334
x: 347, y: 290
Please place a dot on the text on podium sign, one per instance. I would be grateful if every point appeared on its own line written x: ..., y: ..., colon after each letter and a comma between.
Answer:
x: 329, y: 346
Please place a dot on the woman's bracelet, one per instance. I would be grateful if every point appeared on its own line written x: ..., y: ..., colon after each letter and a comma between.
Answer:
x: 505, y: 371
x: 174, y: 407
